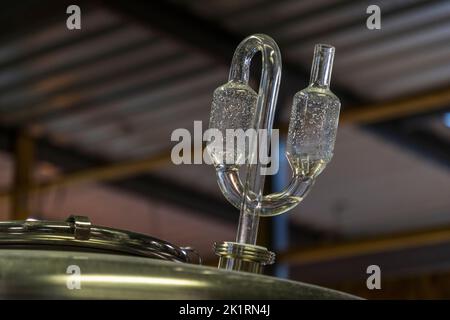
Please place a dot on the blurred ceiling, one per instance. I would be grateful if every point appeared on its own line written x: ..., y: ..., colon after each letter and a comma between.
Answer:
x: 117, y: 88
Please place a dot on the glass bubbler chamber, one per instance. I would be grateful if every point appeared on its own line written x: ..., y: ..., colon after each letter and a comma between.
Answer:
x: 310, y: 142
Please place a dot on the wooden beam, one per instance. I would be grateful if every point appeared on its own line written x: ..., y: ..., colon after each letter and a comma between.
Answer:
x: 398, y: 108
x: 390, y: 110
x: 105, y: 173
x: 357, y: 115
x: 303, y: 256
x: 210, y: 38
x: 23, y: 175
x: 421, y: 286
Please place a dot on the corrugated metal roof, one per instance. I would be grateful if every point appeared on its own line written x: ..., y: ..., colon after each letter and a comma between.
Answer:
x: 370, y: 62
x: 117, y: 88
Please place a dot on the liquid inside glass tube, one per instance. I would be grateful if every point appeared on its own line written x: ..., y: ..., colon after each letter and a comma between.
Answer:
x: 314, y: 119
x: 311, y: 135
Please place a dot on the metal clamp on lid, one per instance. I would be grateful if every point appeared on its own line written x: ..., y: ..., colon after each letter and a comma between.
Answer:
x: 81, y: 227
x: 78, y: 234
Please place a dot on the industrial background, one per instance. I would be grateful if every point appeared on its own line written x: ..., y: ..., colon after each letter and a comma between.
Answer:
x: 86, y: 117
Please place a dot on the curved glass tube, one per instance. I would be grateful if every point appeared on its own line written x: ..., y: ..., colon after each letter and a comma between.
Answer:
x: 270, y: 205
x: 236, y: 106
x: 311, y: 134
x: 314, y: 119
x: 251, y: 206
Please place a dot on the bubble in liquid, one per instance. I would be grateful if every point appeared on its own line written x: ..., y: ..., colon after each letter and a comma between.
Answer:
x: 312, y: 130
x: 233, y: 107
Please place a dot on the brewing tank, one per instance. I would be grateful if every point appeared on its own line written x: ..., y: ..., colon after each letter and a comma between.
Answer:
x: 76, y: 260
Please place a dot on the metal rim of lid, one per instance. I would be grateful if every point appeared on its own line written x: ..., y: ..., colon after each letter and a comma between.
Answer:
x: 78, y: 233
x: 246, y: 252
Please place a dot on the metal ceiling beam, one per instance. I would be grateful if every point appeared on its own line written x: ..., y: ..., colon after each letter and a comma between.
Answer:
x: 102, y: 173
x: 336, y: 6
x: 205, y: 36
x: 33, y: 79
x: 42, y: 110
x: 145, y: 185
x: 394, y: 264
x: 424, y: 143
x: 360, y: 20
x: 74, y: 163
x: 424, y: 286
x: 378, y: 113
x: 128, y: 177
x: 94, y: 171
x: 27, y: 16
x: 397, y: 108
x: 162, y: 20
x: 219, y: 43
x: 86, y: 36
